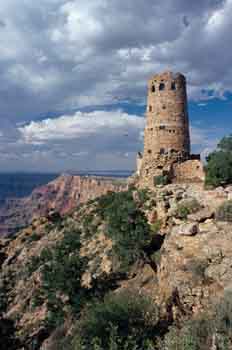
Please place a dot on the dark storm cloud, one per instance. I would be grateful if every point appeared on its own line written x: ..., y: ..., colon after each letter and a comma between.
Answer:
x: 63, y: 55
x: 56, y: 52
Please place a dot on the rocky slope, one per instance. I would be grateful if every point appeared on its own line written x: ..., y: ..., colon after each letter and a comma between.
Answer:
x: 62, y: 195
x: 171, y: 244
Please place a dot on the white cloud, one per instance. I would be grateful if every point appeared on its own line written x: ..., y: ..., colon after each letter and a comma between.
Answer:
x: 81, y: 125
x: 204, y: 140
x: 62, y: 52
x: 63, y: 55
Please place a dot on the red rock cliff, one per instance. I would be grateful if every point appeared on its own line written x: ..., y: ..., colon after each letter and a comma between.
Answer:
x: 62, y: 195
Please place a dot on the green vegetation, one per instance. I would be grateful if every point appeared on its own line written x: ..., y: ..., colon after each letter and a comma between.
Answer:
x: 61, y: 268
x: 161, y: 180
x: 3, y: 299
x: 219, y: 164
x: 7, y: 326
x: 33, y: 237
x: 122, y: 321
x: 107, y: 317
x: 191, y: 337
x: 156, y: 226
x: 127, y: 226
x: 156, y: 257
x: 223, y: 317
x: 186, y: 207
x: 197, y: 268
x: 143, y: 195
x: 224, y: 212
x: 61, y: 277
x: 202, y: 333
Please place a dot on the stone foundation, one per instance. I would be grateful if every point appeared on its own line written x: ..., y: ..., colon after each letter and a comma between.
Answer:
x: 189, y: 171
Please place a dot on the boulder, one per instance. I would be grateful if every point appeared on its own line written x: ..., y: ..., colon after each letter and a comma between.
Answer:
x: 202, y: 215
x: 188, y: 229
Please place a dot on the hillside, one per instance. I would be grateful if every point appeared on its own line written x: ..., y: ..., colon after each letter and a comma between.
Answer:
x: 62, y: 195
x: 129, y: 270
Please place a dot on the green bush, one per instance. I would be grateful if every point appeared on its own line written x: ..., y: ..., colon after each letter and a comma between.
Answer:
x: 61, y: 269
x: 219, y: 164
x: 3, y: 297
x: 186, y: 207
x: 61, y: 266
x: 201, y: 333
x: 37, y: 300
x: 62, y: 273
x: 224, y: 212
x: 8, y: 336
x: 156, y: 226
x: 33, y: 237
x: 197, y: 268
x: 223, y: 315
x: 156, y: 257
x: 122, y: 321
x: 161, y: 180
x: 127, y: 226
x: 143, y: 195
x: 193, y: 336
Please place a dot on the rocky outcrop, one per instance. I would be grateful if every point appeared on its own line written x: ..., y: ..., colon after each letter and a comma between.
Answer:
x: 186, y: 267
x: 62, y: 195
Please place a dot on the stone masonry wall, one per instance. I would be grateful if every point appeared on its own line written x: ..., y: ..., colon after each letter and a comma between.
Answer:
x: 190, y: 170
x: 166, y: 135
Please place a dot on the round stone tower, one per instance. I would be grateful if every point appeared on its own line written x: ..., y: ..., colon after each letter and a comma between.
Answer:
x: 166, y: 135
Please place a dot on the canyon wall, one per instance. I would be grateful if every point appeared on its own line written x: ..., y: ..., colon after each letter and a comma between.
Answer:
x: 61, y: 195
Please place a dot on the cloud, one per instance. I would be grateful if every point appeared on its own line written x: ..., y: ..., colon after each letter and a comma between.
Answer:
x: 69, y: 54
x: 82, y: 125
x: 202, y: 104
x: 93, y: 140
x: 204, y: 140
x: 62, y: 56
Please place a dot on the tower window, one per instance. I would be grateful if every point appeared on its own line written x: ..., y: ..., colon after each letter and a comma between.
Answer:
x: 153, y: 88
x: 149, y: 151
x: 150, y: 108
x: 161, y: 86
x: 162, y: 150
x: 162, y: 127
x: 173, y: 86
x: 164, y: 107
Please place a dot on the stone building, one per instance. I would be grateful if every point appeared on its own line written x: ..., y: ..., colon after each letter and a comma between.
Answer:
x: 166, y: 135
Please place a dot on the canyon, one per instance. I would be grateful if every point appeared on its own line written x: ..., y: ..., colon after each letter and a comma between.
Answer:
x: 60, y: 195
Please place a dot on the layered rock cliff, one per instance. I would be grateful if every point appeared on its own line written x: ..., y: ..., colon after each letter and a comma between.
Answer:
x: 62, y: 195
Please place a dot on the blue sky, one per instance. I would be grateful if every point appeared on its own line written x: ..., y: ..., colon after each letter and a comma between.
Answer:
x: 74, y: 76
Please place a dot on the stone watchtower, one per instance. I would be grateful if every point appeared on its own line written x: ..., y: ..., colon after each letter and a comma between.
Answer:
x: 166, y: 135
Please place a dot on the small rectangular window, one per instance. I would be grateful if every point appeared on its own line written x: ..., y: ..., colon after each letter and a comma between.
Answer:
x: 173, y: 86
